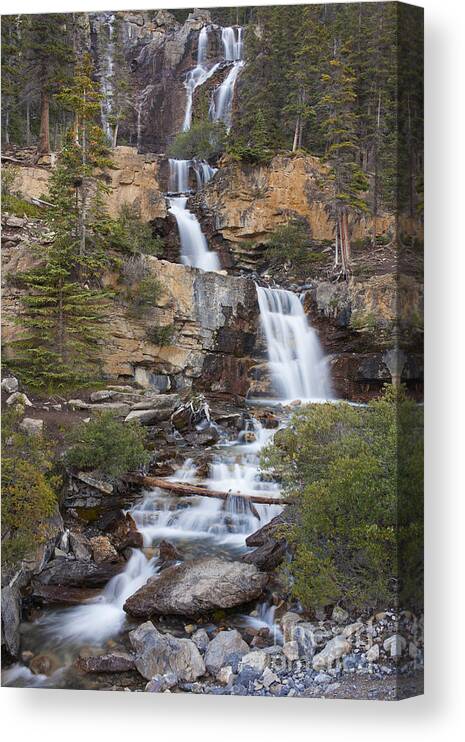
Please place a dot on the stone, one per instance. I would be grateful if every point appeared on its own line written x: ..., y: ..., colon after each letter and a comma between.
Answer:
x: 19, y: 398
x: 30, y: 426
x: 63, y: 594
x: 334, y: 649
x: 395, y: 645
x: 77, y: 573
x: 201, y: 640
x: 353, y: 628
x: 220, y: 649
x: 103, y: 550
x: 94, y: 482
x: 15, y: 221
x: 161, y: 683
x: 197, y: 586
x: 168, y: 552
x: 80, y: 546
x: 256, y: 660
x: 225, y: 675
x: 288, y: 622
x: 268, y: 677
x: 372, y: 654
x: 322, y: 678
x: 339, y: 614
x: 144, y: 417
x: 291, y: 650
x: 43, y: 664
x: 268, y: 556
x: 112, y: 662
x: 101, y: 395
x: 157, y: 654
x: 10, y: 384
x: 124, y: 533
x: 11, y: 619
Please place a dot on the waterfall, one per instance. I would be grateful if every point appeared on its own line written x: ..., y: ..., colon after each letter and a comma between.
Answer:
x: 297, y: 365
x: 222, y: 100
x: 194, y: 247
x: 106, y: 78
x: 179, y: 175
x: 197, y: 76
x: 203, y: 172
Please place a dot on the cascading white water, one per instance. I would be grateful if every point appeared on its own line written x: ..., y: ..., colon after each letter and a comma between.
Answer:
x: 197, y: 76
x: 297, y: 365
x: 179, y: 175
x: 106, y: 77
x: 222, y: 100
x: 203, y: 172
x: 194, y: 247
x: 103, y: 617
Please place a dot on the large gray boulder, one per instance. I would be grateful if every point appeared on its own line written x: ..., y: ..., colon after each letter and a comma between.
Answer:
x: 158, y: 654
x: 197, y: 586
x: 220, y: 649
x: 77, y: 573
x: 11, y: 618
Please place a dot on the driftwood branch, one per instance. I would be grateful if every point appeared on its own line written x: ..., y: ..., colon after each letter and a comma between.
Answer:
x: 183, y: 489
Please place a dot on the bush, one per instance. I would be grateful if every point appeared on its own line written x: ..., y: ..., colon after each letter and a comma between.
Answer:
x: 205, y: 140
x: 143, y: 289
x: 290, y: 242
x: 131, y: 235
x: 28, y: 491
x: 355, y: 476
x: 19, y: 207
x: 108, y: 446
x: 162, y: 335
x: 9, y: 174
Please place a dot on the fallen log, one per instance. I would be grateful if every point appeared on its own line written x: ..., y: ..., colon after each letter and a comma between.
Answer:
x: 181, y: 488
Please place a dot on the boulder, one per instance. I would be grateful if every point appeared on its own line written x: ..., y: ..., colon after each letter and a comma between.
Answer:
x: 197, y: 586
x: 160, y: 683
x: 144, y: 417
x: 103, y: 550
x: 220, y: 649
x: 63, y: 595
x: 18, y: 398
x: 30, y: 426
x: 95, y: 483
x: 257, y: 660
x: 112, y: 662
x: 158, y: 654
x: 10, y: 384
x: 372, y: 654
x: 225, y: 675
x: 80, y: 546
x: 268, y: 556
x: 77, y: 573
x: 124, y: 533
x: 288, y: 623
x: 102, y: 395
x: 339, y: 614
x: 11, y: 618
x: 168, y: 552
x: 201, y: 640
x: 334, y: 650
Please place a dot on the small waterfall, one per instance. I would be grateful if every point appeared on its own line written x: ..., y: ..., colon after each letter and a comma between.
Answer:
x: 179, y: 175
x: 106, y: 78
x: 194, y: 247
x: 222, y: 100
x: 197, y: 76
x: 297, y: 365
x: 97, y: 620
x: 203, y: 172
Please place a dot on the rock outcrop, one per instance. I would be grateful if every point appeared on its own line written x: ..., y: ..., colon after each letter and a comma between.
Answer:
x: 157, y: 654
x: 197, y: 586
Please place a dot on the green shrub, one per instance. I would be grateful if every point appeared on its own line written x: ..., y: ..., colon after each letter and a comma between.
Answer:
x: 9, y: 174
x: 131, y: 235
x: 28, y: 491
x: 19, y: 207
x: 107, y: 445
x: 204, y: 140
x: 291, y: 242
x: 160, y: 335
x: 143, y: 289
x: 355, y: 476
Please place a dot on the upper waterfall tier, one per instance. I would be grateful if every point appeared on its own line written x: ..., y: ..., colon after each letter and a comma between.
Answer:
x: 297, y: 365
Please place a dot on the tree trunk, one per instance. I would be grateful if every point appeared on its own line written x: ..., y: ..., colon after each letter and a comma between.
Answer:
x: 115, y: 135
x: 44, y: 136
x: 7, y: 126
x: 28, y: 123
x: 186, y: 490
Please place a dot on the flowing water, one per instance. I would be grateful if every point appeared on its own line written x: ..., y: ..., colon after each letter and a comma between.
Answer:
x: 197, y: 76
x: 106, y: 78
x: 194, y: 247
x: 297, y: 365
x: 222, y: 99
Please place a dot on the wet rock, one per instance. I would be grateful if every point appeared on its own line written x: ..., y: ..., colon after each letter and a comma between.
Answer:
x: 112, y: 662
x: 288, y: 623
x: 201, y: 640
x: 10, y: 384
x: 207, y: 437
x: 103, y: 550
x: 220, y: 649
x: 11, y: 618
x: 77, y: 573
x: 197, y: 586
x: 157, y: 654
x: 19, y: 398
x: 43, y: 664
x: 160, y: 683
x: 168, y: 552
x: 268, y: 556
x: 124, y: 533
x: 334, y: 649
x: 80, y: 546
x: 268, y: 531
x: 30, y: 426
x: 63, y: 595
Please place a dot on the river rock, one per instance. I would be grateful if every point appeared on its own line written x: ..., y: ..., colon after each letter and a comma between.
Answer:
x: 372, y: 654
x: 268, y: 556
x: 160, y: 683
x: 63, y: 594
x: 220, y: 649
x: 43, y: 664
x: 157, y: 654
x: 197, y: 586
x: 124, y: 533
x: 291, y: 650
x: 103, y: 550
x: 77, y: 573
x: 225, y: 675
x: 334, y: 649
x: 201, y: 640
x: 112, y: 662
x: 10, y: 384
x: 168, y: 552
x: 257, y: 660
x: 288, y: 623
